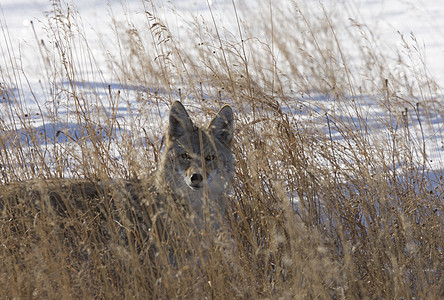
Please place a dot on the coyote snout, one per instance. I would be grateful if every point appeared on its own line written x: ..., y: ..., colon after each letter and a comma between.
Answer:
x: 194, y: 178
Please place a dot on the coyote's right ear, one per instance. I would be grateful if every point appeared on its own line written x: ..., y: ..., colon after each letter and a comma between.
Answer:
x: 179, y: 121
x: 222, y: 125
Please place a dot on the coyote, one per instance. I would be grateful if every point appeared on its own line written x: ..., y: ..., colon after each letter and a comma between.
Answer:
x: 197, y: 165
x: 194, y: 179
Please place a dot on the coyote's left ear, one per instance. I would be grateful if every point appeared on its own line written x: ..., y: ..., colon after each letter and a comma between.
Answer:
x: 222, y: 125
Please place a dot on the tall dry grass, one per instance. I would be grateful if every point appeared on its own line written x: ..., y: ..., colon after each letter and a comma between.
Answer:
x: 335, y: 195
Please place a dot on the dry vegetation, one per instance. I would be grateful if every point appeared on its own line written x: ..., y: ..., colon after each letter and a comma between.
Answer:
x: 326, y: 204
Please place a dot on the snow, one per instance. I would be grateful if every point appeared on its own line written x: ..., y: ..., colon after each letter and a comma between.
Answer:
x: 24, y: 25
x: 386, y: 18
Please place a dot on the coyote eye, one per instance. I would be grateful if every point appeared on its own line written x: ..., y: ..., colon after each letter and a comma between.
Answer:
x: 210, y: 157
x: 185, y: 156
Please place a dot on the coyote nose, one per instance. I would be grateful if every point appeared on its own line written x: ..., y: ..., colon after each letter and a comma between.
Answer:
x: 196, y: 178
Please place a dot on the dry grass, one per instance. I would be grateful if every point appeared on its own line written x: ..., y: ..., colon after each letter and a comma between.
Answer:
x: 334, y: 193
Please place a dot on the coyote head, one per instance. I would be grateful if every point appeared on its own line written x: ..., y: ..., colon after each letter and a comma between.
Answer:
x: 198, y: 162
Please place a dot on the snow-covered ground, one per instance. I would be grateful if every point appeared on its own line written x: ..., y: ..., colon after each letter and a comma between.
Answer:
x: 24, y: 26
x: 387, y: 19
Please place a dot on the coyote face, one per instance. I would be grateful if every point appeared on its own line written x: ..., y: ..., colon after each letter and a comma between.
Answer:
x: 197, y: 165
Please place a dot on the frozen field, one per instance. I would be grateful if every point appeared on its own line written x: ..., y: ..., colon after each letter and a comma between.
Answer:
x: 339, y: 148
x: 26, y: 43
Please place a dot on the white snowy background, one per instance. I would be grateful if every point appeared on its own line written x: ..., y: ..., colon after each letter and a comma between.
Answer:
x: 386, y: 18
x: 24, y: 25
